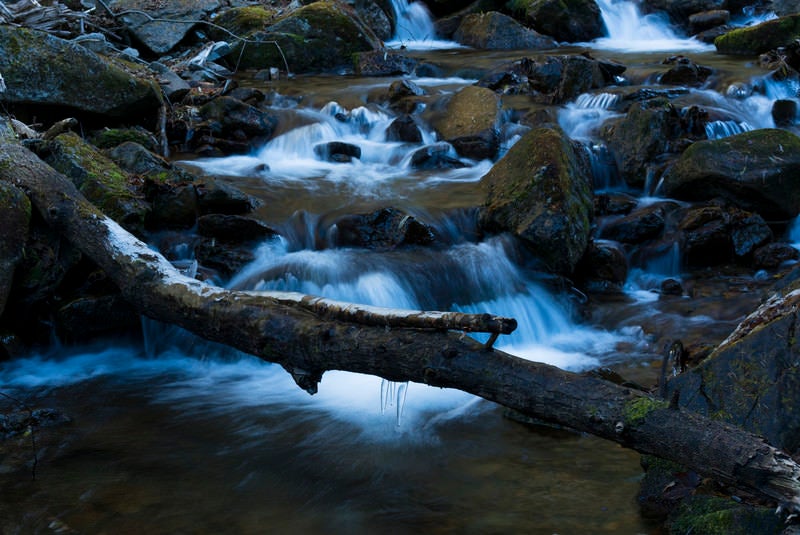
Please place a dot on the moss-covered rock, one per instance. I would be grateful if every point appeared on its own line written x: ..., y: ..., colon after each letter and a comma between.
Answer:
x: 242, y: 21
x: 469, y: 122
x: 712, y: 515
x: 539, y: 192
x: 758, y: 171
x: 41, y: 69
x: 495, y: 30
x: 15, y: 216
x: 99, y: 179
x: 565, y: 20
x: 760, y: 38
x: 108, y: 138
x: 321, y: 36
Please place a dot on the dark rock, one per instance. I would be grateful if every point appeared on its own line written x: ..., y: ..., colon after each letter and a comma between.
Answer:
x: 382, y: 229
x: 614, y: 204
x: 664, y: 486
x: 641, y: 225
x: 539, y: 193
x: 715, y: 234
x: 224, y: 258
x: 337, y: 151
x: 174, y: 206
x: 754, y: 40
x: 384, y: 63
x: 87, y: 317
x: 569, y: 20
x: 108, y: 138
x: 173, y: 86
x: 218, y: 197
x: 706, y: 514
x: 469, y: 122
x: 15, y: 216
x: 229, y: 116
x: 679, y: 11
x: 375, y: 18
x: 784, y: 112
x: 773, y: 255
x: 706, y: 20
x: 672, y: 287
x: 685, y: 72
x: 436, y: 156
x: 137, y: 160
x: 54, y: 73
x: 404, y: 129
x: 233, y: 228
x: 494, y: 30
x: 603, y: 268
x: 755, y: 171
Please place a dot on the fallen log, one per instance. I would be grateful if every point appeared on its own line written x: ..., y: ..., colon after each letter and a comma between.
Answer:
x: 290, y: 330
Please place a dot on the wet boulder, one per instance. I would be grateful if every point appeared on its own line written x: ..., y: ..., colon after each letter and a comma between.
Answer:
x: 233, y: 228
x: 175, y: 206
x: 218, y: 197
x: 228, y: 117
x: 752, y: 379
x: 639, y: 141
x: 773, y: 255
x: 436, y: 156
x: 42, y: 70
x: 716, y: 234
x: 88, y: 317
x: 707, y: 20
x: 603, y: 268
x: 15, y: 216
x: 684, y: 72
x: 469, y: 122
x: 539, y: 192
x: 756, y: 171
x: 496, y: 31
x: 565, y: 20
x: 320, y: 36
x: 337, y: 151
x: 387, y: 228
x: 137, y: 160
x: 646, y: 223
x: 754, y: 40
x: 100, y: 180
x: 173, y: 20
x: 784, y: 112
x: 404, y: 129
x: 108, y: 138
x: 679, y: 11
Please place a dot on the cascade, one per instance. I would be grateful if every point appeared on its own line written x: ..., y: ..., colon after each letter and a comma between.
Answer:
x: 414, y: 28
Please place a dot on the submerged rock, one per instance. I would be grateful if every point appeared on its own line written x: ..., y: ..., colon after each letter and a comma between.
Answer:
x: 539, y: 192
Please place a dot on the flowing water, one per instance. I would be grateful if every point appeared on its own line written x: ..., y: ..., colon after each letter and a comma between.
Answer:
x: 175, y: 435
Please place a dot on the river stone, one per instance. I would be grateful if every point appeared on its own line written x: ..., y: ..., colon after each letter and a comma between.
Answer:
x: 40, y: 69
x: 684, y: 72
x: 436, y: 156
x: 176, y: 19
x: 646, y: 223
x: 227, y: 116
x: 15, y: 216
x: 469, y: 122
x: 679, y: 11
x: 564, y: 20
x: 494, y: 30
x: 137, y: 160
x: 233, y: 228
x: 175, y: 206
x: 754, y: 40
x: 383, y: 63
x: 404, y: 129
x: 539, y: 193
x: 382, y: 229
x: 772, y: 255
x: 87, y: 317
x: 756, y: 171
x: 706, y: 20
x: 603, y: 268
x: 752, y: 379
x: 100, y: 180
x: 320, y: 36
x: 784, y: 112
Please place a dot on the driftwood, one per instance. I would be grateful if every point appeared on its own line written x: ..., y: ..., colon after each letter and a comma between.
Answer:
x: 291, y: 330
x: 32, y: 14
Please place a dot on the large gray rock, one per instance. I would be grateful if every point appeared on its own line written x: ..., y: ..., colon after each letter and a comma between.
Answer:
x: 40, y: 69
x: 494, y: 30
x: 175, y: 19
x: 758, y: 171
x: 539, y: 191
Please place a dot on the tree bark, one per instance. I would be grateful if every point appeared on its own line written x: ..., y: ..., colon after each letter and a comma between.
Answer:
x: 289, y: 329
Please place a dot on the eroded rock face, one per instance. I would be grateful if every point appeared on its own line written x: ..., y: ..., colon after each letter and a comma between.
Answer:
x: 40, y: 69
x: 756, y: 171
x: 539, y: 192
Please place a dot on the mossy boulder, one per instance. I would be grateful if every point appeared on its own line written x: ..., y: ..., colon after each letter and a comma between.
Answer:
x: 469, y: 122
x: 758, y: 171
x: 15, y: 216
x: 42, y: 70
x: 753, y: 378
x: 99, y: 179
x: 540, y: 192
x: 714, y: 515
x: 242, y: 21
x: 760, y: 38
x: 321, y: 36
x: 495, y: 30
x: 565, y: 20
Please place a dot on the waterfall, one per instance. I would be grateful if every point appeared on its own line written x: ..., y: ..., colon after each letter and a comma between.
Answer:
x: 582, y: 119
x: 722, y: 129
x: 630, y: 31
x: 414, y: 28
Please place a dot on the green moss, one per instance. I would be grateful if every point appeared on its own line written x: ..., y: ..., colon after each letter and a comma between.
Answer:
x: 637, y: 410
x: 112, y: 137
x: 711, y: 515
x: 244, y: 20
x: 760, y: 38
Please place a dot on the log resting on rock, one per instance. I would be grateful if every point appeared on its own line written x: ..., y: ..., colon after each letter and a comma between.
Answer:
x: 298, y: 333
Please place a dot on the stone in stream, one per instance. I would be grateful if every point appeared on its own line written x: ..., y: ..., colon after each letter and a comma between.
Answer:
x: 386, y: 228
x: 570, y: 20
x: 496, y: 31
x: 337, y: 151
x: 469, y: 122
